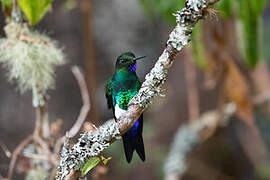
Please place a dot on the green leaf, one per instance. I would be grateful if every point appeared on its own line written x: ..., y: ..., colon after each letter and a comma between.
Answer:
x: 248, y: 8
x: 7, y: 3
x: 105, y: 160
x: 165, y: 8
x: 251, y: 47
x: 6, y: 7
x: 147, y: 6
x: 35, y: 9
x: 258, y: 6
x: 90, y: 164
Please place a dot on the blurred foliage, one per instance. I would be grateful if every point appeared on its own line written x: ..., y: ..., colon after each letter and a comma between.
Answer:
x: 266, y: 40
x: 35, y: 10
x: 69, y: 5
x: 226, y: 8
x: 198, y: 50
x: 248, y: 13
x: 165, y: 8
x: 6, y: 7
x: 6, y: 3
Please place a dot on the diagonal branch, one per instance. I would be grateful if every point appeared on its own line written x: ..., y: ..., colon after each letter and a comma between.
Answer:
x: 93, y: 143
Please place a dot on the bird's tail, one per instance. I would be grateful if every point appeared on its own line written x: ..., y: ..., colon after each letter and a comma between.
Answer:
x: 133, y: 143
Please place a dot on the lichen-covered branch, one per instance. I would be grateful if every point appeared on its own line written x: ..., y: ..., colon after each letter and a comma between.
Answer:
x: 93, y: 143
x: 188, y: 136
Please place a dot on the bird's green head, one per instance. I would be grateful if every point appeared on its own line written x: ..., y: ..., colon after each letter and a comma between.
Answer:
x: 127, y: 61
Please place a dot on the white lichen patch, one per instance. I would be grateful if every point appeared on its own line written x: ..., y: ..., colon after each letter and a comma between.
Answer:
x: 151, y: 87
x: 30, y: 59
x: 190, y: 14
x: 89, y: 144
x: 196, y: 5
x: 179, y: 37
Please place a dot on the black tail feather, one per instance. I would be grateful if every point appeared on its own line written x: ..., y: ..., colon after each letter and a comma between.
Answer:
x: 128, y: 147
x: 131, y: 144
x: 140, y: 148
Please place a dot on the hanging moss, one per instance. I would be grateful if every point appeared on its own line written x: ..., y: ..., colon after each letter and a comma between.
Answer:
x: 30, y: 59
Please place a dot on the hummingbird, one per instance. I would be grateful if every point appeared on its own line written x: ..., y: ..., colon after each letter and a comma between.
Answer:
x: 120, y: 88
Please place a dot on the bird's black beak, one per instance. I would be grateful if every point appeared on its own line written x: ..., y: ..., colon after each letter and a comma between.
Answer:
x: 136, y: 59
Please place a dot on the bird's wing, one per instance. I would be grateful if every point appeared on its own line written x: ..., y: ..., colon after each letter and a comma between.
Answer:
x: 108, y: 93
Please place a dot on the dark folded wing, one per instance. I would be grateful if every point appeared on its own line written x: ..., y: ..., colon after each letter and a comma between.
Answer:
x: 108, y: 94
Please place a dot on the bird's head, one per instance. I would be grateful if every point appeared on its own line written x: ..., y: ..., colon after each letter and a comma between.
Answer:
x: 127, y: 61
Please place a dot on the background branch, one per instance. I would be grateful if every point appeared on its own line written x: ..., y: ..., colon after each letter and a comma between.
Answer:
x: 16, y: 153
x: 5, y: 149
x: 189, y: 136
x: 85, y: 99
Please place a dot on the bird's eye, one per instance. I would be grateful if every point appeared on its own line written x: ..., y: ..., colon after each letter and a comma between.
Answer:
x: 122, y: 60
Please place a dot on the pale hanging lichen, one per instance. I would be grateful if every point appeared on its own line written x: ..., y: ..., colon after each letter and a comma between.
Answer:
x: 30, y: 59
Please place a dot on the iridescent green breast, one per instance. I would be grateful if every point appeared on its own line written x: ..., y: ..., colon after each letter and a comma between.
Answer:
x: 123, y: 98
x: 124, y: 85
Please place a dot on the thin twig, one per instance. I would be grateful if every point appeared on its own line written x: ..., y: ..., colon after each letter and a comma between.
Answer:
x: 85, y: 99
x: 36, y: 156
x: 84, y: 110
x: 58, y: 145
x: 5, y: 149
x: 262, y: 98
x: 42, y: 143
x: 42, y: 122
x: 16, y: 153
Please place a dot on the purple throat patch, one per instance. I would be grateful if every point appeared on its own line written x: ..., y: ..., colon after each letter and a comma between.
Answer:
x: 133, y: 67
